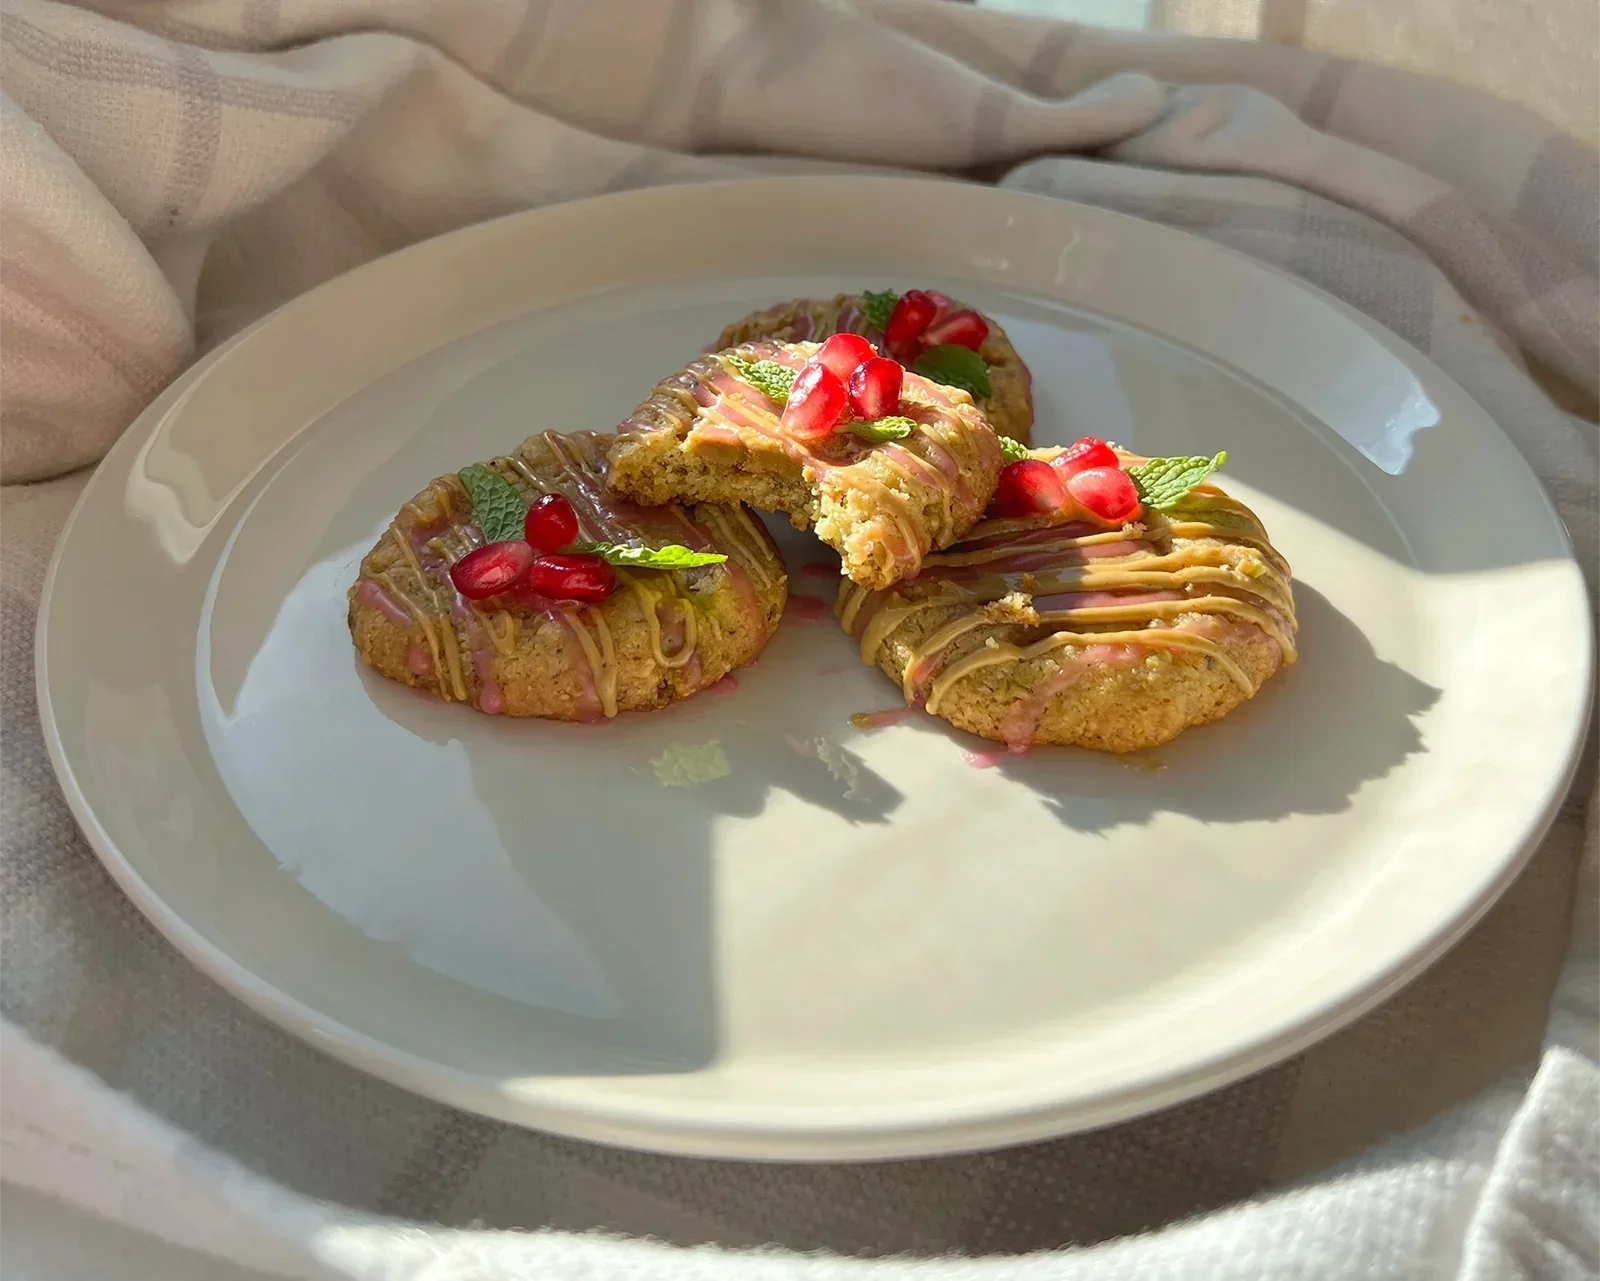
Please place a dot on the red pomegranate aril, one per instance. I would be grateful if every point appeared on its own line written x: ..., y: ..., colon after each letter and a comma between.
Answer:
x: 875, y: 388
x: 941, y: 305
x: 915, y: 311
x: 1106, y: 492
x: 905, y: 352
x: 1028, y: 487
x: 963, y: 328
x: 843, y: 352
x: 487, y: 571
x: 1082, y: 454
x: 817, y: 402
x: 572, y: 576
x: 551, y: 524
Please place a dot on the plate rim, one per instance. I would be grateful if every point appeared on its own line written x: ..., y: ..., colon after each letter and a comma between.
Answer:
x: 704, y: 1137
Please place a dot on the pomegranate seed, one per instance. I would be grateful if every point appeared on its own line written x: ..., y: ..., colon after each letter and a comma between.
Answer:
x: 572, y: 576
x: 875, y: 388
x: 551, y: 524
x: 843, y: 352
x: 941, y: 305
x: 1106, y: 492
x: 488, y: 571
x: 905, y: 352
x: 963, y: 328
x: 816, y: 403
x: 914, y: 312
x: 1028, y: 487
x: 1084, y: 453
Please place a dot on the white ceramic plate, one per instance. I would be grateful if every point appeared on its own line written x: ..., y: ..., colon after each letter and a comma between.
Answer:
x: 855, y: 944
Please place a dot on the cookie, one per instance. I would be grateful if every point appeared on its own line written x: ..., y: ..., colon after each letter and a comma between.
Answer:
x: 660, y: 636
x: 1008, y: 407
x: 1060, y: 630
x: 712, y: 433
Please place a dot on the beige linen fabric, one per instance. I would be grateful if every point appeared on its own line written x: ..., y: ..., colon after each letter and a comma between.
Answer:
x: 1544, y: 54
x: 170, y: 170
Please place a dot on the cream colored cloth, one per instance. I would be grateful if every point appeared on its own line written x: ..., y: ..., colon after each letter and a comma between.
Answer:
x: 172, y: 170
x: 1544, y: 54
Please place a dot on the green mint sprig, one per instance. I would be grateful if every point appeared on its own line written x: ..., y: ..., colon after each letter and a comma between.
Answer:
x: 877, y: 308
x: 501, y: 513
x: 955, y: 366
x: 1013, y: 451
x: 497, y: 504
x: 881, y: 430
x: 672, y: 556
x: 768, y: 377
x: 1163, y: 482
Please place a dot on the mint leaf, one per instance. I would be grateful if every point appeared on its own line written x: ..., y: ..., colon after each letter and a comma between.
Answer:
x: 768, y: 377
x: 880, y: 430
x: 1162, y: 482
x: 877, y: 308
x: 496, y: 504
x: 1011, y: 451
x: 955, y: 366
x: 672, y: 556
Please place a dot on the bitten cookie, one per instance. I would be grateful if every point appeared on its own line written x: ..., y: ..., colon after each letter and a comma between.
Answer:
x: 719, y: 432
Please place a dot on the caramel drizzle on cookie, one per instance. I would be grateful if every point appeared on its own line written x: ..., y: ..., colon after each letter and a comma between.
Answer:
x: 1021, y: 590
x: 456, y: 632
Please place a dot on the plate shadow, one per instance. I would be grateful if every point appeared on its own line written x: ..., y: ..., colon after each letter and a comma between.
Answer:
x: 1318, y: 732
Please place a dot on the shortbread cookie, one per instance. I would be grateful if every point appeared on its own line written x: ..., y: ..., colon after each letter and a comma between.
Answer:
x: 1062, y: 627
x: 657, y: 636
x: 1008, y: 403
